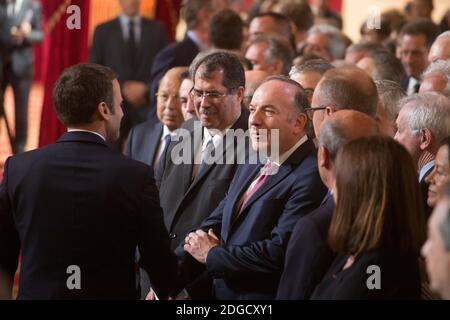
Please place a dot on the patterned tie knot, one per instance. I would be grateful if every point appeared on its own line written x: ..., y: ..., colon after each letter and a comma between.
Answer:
x: 270, y: 168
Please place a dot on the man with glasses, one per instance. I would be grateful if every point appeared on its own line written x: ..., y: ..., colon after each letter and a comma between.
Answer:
x: 147, y: 141
x: 189, y: 192
x: 342, y: 88
x: 242, y: 243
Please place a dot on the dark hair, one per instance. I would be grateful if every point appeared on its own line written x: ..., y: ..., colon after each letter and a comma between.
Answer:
x: 226, y: 30
x: 363, y: 46
x: 301, y: 101
x: 282, y: 24
x: 378, y: 199
x: 185, y: 75
x: 277, y: 48
x: 421, y: 27
x: 349, y: 88
x: 190, y: 9
x: 299, y: 13
x: 229, y: 63
x: 387, y: 66
x: 80, y: 89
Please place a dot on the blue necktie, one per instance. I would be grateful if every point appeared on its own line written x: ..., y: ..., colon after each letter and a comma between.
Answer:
x: 167, y: 140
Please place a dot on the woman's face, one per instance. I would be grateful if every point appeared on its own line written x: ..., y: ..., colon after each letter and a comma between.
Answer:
x: 439, y: 176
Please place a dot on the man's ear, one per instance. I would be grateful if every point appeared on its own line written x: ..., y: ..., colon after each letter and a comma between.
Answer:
x: 301, y: 121
x: 323, y: 157
x: 426, y: 139
x: 240, y: 94
x: 329, y: 110
x: 103, y: 111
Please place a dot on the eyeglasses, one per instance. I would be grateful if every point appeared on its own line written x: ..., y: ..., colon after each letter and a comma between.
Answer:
x: 214, y: 95
x: 310, y: 111
x: 165, y: 96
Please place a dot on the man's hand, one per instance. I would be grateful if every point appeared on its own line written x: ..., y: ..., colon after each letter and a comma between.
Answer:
x: 198, y: 244
x: 135, y: 93
x: 21, y: 33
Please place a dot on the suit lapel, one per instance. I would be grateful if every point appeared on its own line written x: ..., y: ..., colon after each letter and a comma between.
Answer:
x: 152, y: 143
x: 284, y: 170
x: 245, y: 179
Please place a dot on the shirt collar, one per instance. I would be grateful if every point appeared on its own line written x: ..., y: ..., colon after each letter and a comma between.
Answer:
x: 200, y: 44
x: 425, y: 169
x: 215, y: 135
x: 82, y: 130
x: 125, y: 20
x: 166, y: 132
x: 282, y: 158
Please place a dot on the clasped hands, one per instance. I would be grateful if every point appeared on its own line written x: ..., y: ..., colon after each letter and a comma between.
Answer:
x: 21, y: 33
x: 198, y: 244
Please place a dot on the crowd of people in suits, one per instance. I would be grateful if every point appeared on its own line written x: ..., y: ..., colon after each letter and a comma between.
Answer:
x: 339, y: 210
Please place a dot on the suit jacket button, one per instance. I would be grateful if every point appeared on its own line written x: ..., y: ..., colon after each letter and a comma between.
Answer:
x: 172, y: 235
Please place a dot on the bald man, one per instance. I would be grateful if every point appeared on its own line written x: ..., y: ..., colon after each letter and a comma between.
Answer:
x: 342, y: 88
x: 308, y: 256
x: 253, y: 79
x: 440, y: 48
x: 147, y: 140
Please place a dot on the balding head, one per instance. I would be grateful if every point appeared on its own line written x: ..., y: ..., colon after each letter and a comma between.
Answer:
x: 440, y: 48
x: 253, y: 78
x: 168, y: 106
x: 344, y: 126
x: 337, y: 130
x: 344, y: 88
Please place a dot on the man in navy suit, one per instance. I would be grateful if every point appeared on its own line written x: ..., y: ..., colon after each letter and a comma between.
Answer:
x: 197, y: 14
x: 147, y: 141
x: 129, y: 44
x: 22, y: 27
x: 415, y: 42
x: 77, y: 209
x: 308, y: 255
x: 243, y: 242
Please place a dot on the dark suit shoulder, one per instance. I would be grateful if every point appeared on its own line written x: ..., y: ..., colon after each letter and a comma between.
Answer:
x: 146, y: 127
x: 105, y: 26
x: 315, y: 223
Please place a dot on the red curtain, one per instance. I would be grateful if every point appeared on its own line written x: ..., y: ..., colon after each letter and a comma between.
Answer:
x: 168, y: 12
x: 62, y: 47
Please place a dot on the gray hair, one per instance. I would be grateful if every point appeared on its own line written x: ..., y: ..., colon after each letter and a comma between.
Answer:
x: 429, y: 110
x: 338, y: 45
x: 440, y: 67
x: 445, y: 34
x: 332, y: 136
x: 315, y: 65
x: 277, y: 49
x: 390, y: 94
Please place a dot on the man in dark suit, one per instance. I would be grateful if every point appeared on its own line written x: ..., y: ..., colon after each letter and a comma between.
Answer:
x: 243, y: 242
x: 190, y: 190
x: 129, y: 44
x: 22, y: 28
x: 415, y: 42
x: 197, y: 14
x: 308, y: 256
x: 77, y: 209
x: 148, y: 140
